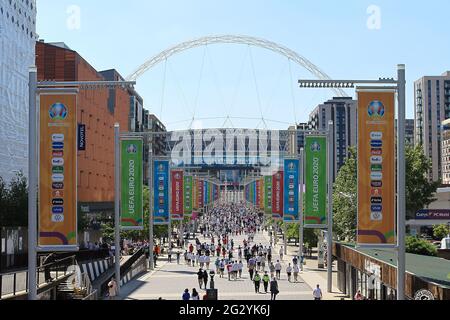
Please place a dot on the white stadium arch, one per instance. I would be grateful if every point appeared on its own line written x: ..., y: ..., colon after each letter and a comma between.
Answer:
x: 234, y: 39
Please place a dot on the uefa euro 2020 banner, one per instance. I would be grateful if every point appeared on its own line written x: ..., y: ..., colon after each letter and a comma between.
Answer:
x: 58, y: 172
x: 268, y: 194
x: 131, y: 204
x: 277, y: 195
x: 291, y: 190
x: 376, y: 168
x: 177, y: 181
x: 188, y: 195
x: 316, y: 181
x: 161, y: 192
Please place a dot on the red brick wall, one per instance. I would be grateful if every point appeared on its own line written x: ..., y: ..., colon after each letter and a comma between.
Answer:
x: 96, y: 164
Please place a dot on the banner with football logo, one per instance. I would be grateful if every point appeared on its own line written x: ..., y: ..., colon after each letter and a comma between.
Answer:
x: 177, y: 181
x: 277, y: 195
x: 131, y: 204
x: 291, y: 190
x: 188, y: 195
x: 376, y: 168
x: 161, y: 213
x: 57, y: 222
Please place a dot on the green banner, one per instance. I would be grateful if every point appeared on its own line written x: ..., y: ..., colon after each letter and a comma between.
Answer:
x: 316, y: 181
x: 132, y: 213
x: 188, y: 195
x: 268, y: 194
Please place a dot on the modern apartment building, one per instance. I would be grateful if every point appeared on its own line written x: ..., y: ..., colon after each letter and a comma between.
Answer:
x: 17, y: 45
x: 343, y: 112
x: 432, y: 107
x: 446, y: 152
x: 409, y: 131
x: 99, y: 110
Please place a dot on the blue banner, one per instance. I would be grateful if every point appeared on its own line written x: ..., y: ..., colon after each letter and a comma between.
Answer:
x: 161, y: 192
x: 291, y: 190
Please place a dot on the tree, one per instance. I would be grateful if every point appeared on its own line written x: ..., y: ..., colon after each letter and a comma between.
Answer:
x: 419, y: 246
x: 345, y: 199
x: 419, y: 190
x: 14, y: 202
x: 441, y: 231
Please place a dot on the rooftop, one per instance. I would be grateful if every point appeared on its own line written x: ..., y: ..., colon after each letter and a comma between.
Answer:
x: 431, y: 269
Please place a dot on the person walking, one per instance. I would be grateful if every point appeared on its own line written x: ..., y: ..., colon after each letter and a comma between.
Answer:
x: 317, y: 293
x: 251, y: 270
x: 274, y: 289
x: 186, y: 295
x: 257, y: 282
x: 200, y: 278
x: 296, y: 270
x: 281, y: 253
x: 205, y: 279
x: 278, y: 269
x: 195, y: 295
x: 272, y: 270
x: 240, y: 267
x: 112, y: 289
x: 289, y: 272
x: 169, y: 255
x: 222, y: 268
x: 266, y: 281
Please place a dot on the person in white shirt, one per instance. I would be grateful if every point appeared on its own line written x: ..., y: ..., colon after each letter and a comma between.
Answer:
x: 112, y: 289
x: 296, y: 270
x: 207, y: 260
x: 278, y: 269
x: 289, y: 272
x: 317, y: 293
x: 281, y: 253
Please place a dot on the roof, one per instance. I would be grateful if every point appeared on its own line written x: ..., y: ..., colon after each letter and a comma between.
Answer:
x: 430, y: 269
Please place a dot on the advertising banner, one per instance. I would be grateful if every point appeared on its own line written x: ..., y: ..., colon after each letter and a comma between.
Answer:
x: 376, y: 168
x: 131, y: 179
x: 161, y: 192
x: 188, y: 196
x: 291, y: 190
x: 277, y: 195
x: 194, y: 194
x: 261, y: 193
x: 58, y: 172
x: 316, y: 181
x: 257, y: 192
x: 177, y: 181
x: 200, y: 193
x: 268, y: 194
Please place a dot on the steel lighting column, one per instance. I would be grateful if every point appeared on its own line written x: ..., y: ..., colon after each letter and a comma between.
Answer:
x: 330, y: 206
x: 401, y: 261
x: 301, y: 178
x: 117, y: 203
x: 150, y: 199
x: 32, y: 185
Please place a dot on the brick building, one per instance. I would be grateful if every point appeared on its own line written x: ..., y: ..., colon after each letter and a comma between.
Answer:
x: 99, y: 110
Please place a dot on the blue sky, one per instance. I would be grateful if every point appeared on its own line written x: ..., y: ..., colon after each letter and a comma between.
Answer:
x: 240, y: 81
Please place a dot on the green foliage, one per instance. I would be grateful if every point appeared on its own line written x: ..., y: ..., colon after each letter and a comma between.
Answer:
x: 14, y: 202
x: 345, y: 199
x: 419, y: 246
x: 441, y: 231
x: 419, y: 191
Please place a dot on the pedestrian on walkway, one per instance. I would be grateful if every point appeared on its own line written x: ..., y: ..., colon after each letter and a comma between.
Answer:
x: 169, y: 255
x: 296, y: 271
x: 251, y: 270
x: 278, y: 270
x: 240, y: 267
x: 272, y: 270
x: 289, y: 272
x: 112, y: 289
x: 205, y: 279
x: 317, y: 293
x: 178, y: 257
x: 281, y: 253
x: 266, y: 281
x: 195, y: 295
x: 222, y: 268
x: 257, y: 282
x: 186, y: 295
x: 274, y: 289
x: 200, y: 278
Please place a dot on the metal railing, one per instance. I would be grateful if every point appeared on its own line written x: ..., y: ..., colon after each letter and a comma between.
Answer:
x: 14, y: 283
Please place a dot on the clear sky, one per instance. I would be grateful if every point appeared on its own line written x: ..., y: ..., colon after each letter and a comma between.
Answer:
x: 346, y: 39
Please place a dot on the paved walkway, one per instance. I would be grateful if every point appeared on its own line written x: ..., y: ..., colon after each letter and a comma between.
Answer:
x: 169, y: 280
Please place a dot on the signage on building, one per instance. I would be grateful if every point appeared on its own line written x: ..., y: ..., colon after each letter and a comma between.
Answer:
x: 316, y: 181
x: 58, y: 172
x: 177, y: 181
x: 268, y: 194
x: 433, y: 214
x: 81, y: 137
x: 132, y: 213
x: 291, y: 190
x: 161, y: 192
x: 376, y: 168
